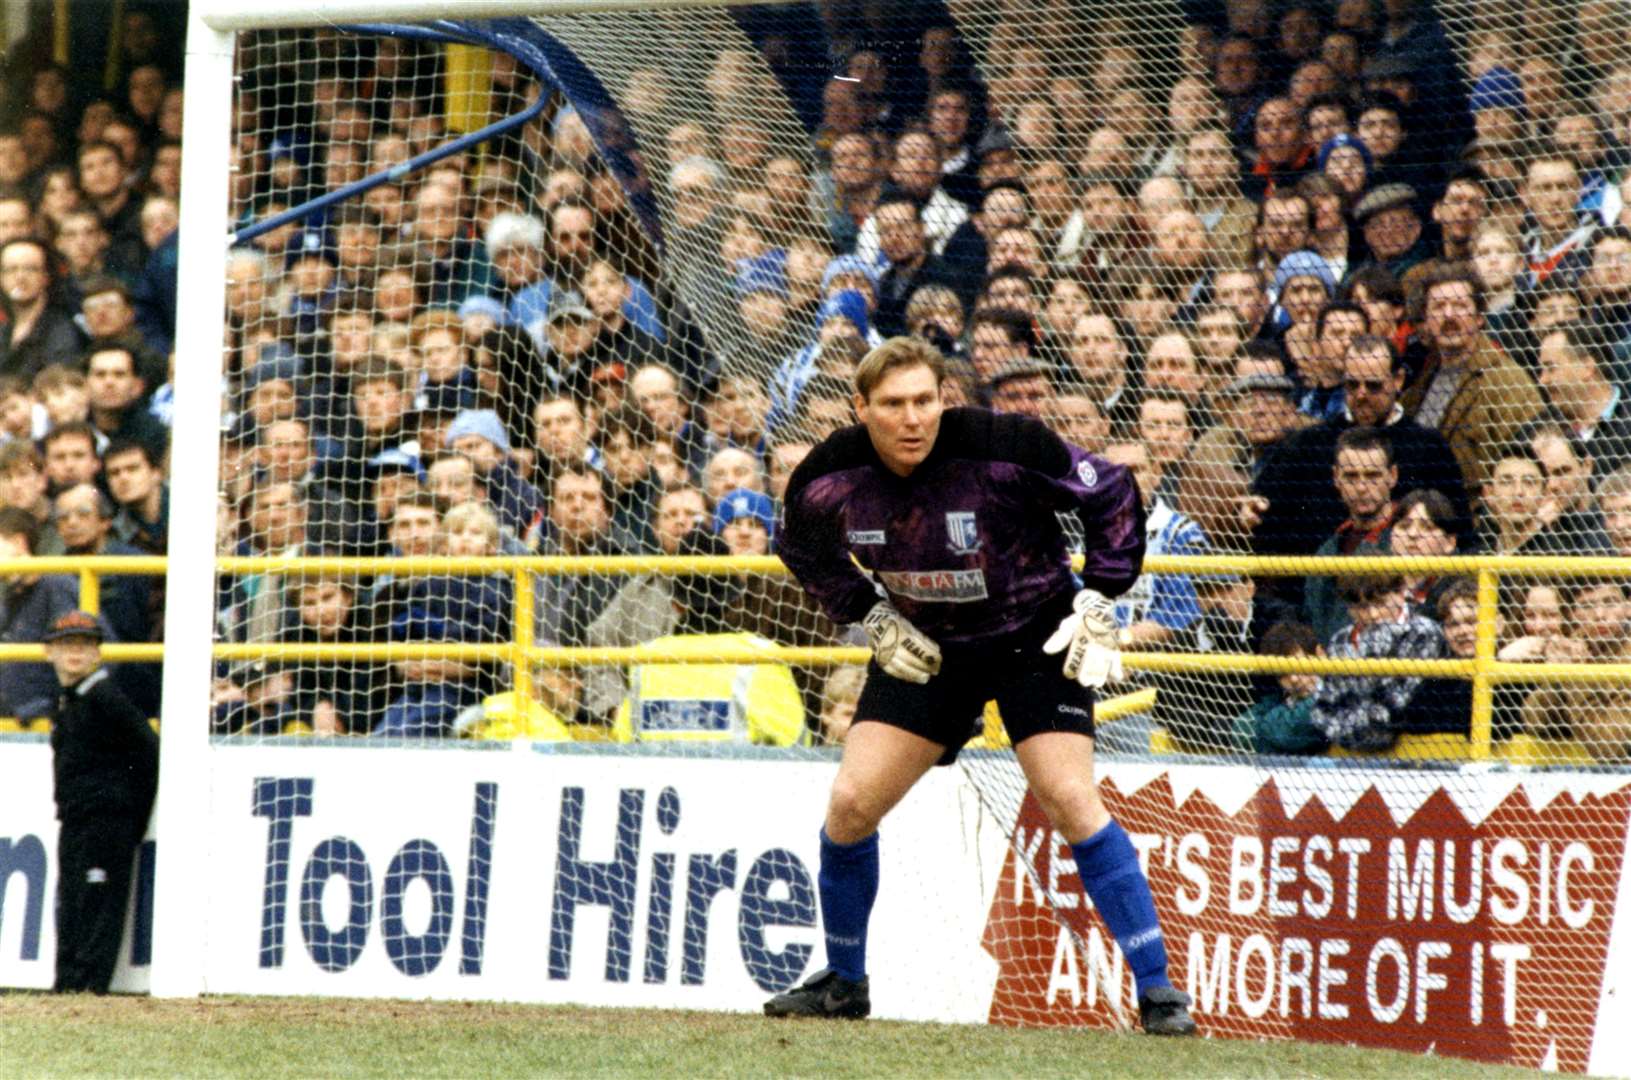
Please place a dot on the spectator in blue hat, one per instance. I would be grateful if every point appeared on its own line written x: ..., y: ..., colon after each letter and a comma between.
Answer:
x: 1304, y: 285
x: 1499, y: 113
x: 851, y: 272
x: 746, y: 519
x: 1347, y: 161
x: 761, y: 299
x: 478, y: 435
x: 841, y: 328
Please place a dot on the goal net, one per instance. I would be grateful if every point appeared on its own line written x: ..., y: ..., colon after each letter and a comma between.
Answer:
x: 1329, y: 278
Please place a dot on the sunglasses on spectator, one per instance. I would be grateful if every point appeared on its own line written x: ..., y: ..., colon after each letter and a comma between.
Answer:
x: 1370, y: 386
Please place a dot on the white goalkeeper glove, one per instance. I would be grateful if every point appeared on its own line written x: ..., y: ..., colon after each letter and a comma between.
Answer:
x: 1093, y: 657
x: 900, y: 648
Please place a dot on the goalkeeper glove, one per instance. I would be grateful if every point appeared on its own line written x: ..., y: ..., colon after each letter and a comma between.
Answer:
x: 1094, y: 654
x: 900, y: 648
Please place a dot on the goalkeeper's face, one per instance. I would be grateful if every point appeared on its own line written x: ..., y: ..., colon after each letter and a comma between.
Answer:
x: 902, y: 415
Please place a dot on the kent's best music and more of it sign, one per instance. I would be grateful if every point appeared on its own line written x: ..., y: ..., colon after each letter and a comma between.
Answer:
x: 1378, y: 911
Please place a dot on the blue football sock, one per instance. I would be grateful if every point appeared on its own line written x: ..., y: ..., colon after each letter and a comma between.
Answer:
x: 1110, y: 873
x: 849, y: 884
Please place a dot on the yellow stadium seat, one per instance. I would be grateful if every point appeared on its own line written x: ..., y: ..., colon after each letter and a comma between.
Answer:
x: 1532, y: 750
x: 1433, y: 746
x: 40, y: 725
x: 10, y: 724
x: 1161, y: 741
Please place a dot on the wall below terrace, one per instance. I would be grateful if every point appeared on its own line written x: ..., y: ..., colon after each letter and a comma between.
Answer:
x: 1464, y: 913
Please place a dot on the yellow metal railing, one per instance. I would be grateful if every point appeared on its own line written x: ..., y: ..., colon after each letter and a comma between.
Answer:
x: 523, y: 652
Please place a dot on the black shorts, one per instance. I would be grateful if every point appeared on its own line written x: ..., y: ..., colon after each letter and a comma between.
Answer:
x: 1028, y: 685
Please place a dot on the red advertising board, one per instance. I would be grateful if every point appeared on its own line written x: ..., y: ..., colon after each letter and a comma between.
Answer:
x: 1435, y: 930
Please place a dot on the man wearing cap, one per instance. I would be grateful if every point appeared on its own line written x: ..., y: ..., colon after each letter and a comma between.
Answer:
x: 1392, y: 228
x: 1259, y: 412
x: 564, y: 337
x: 104, y: 765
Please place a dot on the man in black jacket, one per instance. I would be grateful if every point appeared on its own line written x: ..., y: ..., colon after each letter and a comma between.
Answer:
x: 105, y: 765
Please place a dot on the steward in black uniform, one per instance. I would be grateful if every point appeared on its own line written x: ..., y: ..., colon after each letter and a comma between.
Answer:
x: 105, y: 764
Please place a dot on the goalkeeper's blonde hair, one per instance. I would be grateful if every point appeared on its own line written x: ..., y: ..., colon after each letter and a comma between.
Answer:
x: 897, y: 352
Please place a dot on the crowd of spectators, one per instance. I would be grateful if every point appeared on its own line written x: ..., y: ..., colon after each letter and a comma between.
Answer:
x: 1325, y: 280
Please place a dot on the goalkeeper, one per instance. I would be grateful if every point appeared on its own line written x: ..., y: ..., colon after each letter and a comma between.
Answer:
x: 954, y: 516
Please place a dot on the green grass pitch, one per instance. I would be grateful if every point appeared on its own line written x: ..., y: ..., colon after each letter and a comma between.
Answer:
x: 46, y: 1036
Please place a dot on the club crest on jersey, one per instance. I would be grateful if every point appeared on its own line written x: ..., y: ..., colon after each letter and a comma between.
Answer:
x: 962, y: 534
x: 1086, y: 473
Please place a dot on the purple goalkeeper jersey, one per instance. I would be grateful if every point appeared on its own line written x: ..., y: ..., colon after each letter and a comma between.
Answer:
x: 969, y: 546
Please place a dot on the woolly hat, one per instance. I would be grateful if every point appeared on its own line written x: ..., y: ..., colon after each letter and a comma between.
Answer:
x: 763, y: 273
x: 484, y: 305
x: 396, y: 460
x: 742, y: 503
x: 568, y: 304
x: 1304, y: 264
x: 483, y: 422
x: 844, y: 304
x: 1337, y: 141
x: 1498, y: 88
x: 849, y: 264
